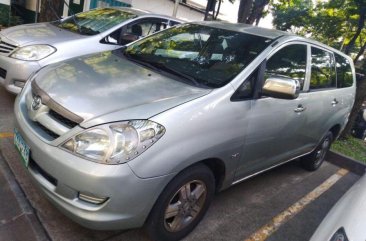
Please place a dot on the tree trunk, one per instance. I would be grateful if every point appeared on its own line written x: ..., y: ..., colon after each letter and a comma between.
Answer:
x: 245, y: 8
x: 360, y: 98
x: 257, y: 11
x: 218, y: 9
x: 51, y: 10
x: 360, y: 53
x: 361, y: 25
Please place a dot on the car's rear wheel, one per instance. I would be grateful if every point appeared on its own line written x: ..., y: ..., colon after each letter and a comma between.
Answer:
x: 182, y: 204
x: 314, y: 160
x: 363, y: 137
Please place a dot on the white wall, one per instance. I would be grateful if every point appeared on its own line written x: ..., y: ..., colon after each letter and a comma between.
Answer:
x: 166, y: 7
x: 7, y: 2
x: 31, y: 4
x: 228, y: 11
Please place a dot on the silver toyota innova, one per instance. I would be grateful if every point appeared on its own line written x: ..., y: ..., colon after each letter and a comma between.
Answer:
x: 25, y: 49
x: 146, y: 134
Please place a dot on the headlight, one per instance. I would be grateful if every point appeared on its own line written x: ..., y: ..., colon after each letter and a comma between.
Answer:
x: 33, y: 52
x: 339, y: 235
x: 115, y: 143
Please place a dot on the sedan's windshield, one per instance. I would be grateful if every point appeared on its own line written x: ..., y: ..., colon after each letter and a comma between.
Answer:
x: 95, y: 21
x: 201, y: 55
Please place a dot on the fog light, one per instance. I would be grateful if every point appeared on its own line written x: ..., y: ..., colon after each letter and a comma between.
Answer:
x: 19, y: 83
x: 91, y: 198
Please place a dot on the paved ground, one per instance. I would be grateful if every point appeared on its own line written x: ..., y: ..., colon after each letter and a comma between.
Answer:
x: 235, y: 214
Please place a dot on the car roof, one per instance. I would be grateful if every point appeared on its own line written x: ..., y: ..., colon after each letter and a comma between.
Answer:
x: 246, y: 28
x: 265, y: 32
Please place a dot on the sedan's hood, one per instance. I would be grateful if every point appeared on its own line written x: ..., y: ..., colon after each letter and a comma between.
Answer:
x: 38, y: 33
x: 104, y: 88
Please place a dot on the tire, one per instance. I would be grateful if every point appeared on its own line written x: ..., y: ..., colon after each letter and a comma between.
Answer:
x: 314, y: 160
x: 363, y: 137
x: 186, y: 210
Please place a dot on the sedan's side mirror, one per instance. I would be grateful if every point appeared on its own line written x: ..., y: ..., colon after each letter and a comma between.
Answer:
x: 282, y: 88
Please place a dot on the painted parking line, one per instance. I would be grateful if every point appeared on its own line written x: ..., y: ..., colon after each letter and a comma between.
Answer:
x: 264, y: 232
x: 6, y: 135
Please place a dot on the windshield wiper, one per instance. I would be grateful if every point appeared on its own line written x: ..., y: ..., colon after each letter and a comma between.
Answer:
x: 140, y: 62
x: 159, y: 67
x: 176, y: 72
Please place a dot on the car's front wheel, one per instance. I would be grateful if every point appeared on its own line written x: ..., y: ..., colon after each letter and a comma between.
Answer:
x: 182, y: 204
x: 313, y: 161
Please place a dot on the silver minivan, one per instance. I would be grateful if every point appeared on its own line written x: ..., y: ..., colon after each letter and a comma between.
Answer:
x: 146, y: 134
x: 25, y: 49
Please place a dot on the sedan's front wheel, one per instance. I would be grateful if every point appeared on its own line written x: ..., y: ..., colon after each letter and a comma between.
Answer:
x: 182, y: 204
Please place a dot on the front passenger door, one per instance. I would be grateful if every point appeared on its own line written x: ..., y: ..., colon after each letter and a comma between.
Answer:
x: 276, y: 128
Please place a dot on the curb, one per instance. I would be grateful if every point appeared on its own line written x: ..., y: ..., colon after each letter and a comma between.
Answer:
x: 346, y: 162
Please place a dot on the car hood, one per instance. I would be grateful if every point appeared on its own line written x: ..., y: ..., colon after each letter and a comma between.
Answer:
x: 38, y: 33
x: 104, y: 87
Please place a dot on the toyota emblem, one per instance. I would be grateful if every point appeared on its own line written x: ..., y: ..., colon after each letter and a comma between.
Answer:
x: 36, y: 103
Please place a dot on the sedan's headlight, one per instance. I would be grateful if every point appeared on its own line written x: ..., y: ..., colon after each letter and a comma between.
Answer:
x: 115, y: 143
x: 33, y: 52
x: 339, y: 235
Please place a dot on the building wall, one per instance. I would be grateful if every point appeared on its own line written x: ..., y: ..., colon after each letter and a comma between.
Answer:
x: 166, y: 7
x: 228, y: 11
x: 5, y: 2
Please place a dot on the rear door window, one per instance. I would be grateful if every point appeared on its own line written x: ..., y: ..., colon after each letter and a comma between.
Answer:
x: 322, y: 70
x: 344, y: 72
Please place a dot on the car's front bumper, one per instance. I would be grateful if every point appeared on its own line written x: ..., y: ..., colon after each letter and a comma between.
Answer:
x: 14, y: 72
x: 62, y: 176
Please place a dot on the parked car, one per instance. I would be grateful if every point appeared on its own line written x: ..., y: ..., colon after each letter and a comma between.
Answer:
x: 146, y: 135
x: 346, y: 220
x: 359, y: 127
x: 25, y: 49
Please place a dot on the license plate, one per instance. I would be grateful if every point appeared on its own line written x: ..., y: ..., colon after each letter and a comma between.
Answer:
x: 22, y: 147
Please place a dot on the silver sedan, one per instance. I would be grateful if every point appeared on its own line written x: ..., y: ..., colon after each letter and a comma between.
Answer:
x: 25, y: 49
x: 346, y: 220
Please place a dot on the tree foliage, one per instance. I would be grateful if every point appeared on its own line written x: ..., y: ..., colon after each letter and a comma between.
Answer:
x: 338, y: 23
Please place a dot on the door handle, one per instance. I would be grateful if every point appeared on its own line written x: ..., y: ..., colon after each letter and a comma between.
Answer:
x: 334, y: 102
x: 299, y: 109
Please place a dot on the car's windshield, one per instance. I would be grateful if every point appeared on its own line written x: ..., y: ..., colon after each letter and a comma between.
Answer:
x: 95, y: 21
x: 202, y: 55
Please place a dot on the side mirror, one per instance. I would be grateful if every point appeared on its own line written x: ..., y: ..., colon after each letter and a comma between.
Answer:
x: 282, y: 88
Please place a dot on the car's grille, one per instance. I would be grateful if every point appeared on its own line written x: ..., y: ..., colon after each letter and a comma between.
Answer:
x: 6, y: 47
x: 3, y: 73
x: 52, y: 135
x: 62, y: 119
x: 35, y: 167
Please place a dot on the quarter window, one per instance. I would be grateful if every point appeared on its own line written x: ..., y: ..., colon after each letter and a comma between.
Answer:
x: 288, y: 62
x: 322, y: 70
x: 344, y: 72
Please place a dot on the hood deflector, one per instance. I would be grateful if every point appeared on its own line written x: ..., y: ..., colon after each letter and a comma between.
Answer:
x: 48, y: 101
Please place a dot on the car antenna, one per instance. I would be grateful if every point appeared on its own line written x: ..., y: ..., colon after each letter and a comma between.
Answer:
x: 73, y: 16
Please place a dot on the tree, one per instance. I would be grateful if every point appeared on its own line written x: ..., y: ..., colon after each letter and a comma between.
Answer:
x: 338, y: 23
x: 51, y: 10
x: 251, y: 11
